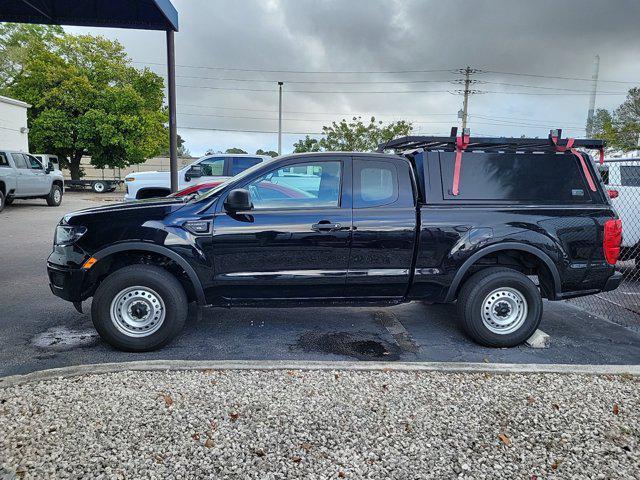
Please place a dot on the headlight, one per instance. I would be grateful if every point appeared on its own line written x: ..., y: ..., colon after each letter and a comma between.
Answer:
x: 129, y: 179
x: 67, y: 234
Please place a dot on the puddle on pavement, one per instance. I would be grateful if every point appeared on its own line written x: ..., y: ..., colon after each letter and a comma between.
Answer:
x: 63, y: 338
x: 360, y: 345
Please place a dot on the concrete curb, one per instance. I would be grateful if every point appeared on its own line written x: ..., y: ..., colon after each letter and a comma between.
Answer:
x: 445, y: 367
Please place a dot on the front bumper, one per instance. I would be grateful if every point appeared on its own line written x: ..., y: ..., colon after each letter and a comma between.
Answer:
x: 68, y: 283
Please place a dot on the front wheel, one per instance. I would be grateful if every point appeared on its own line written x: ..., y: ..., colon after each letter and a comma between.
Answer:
x: 499, y: 307
x: 54, y: 199
x: 139, y: 308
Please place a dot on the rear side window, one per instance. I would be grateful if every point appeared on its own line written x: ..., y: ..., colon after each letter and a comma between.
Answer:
x: 519, y: 177
x: 240, y: 164
x: 3, y: 160
x: 376, y: 183
x: 630, y: 175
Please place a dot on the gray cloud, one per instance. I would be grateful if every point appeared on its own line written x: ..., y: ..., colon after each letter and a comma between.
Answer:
x: 555, y: 38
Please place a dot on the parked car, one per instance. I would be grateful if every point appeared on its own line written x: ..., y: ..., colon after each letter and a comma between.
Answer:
x: 141, y: 185
x: 378, y: 229
x: 22, y: 176
x: 621, y: 176
x: 267, y: 190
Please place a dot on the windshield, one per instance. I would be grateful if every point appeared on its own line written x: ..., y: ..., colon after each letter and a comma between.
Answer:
x: 233, y: 180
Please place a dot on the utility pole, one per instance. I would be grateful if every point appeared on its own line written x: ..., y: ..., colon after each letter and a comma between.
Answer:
x: 465, y: 103
x: 592, y: 98
x: 467, y: 81
x: 280, y: 117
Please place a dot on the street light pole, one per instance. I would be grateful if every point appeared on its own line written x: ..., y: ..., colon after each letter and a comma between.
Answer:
x: 280, y: 117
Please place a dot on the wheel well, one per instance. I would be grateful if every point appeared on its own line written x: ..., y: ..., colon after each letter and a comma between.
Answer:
x: 107, y: 265
x: 524, y: 262
x: 59, y: 183
x: 152, y: 193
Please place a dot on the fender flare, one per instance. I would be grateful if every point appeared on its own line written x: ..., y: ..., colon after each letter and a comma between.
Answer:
x: 457, y: 279
x: 151, y: 247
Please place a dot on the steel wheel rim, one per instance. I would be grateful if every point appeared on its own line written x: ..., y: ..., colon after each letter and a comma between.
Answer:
x: 504, y: 310
x: 137, y: 311
x: 98, y: 187
x: 56, y: 196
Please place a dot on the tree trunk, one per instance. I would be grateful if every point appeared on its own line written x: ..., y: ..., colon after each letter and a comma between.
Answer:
x: 74, y: 165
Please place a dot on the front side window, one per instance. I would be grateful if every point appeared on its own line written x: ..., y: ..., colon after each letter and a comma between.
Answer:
x: 630, y: 175
x: 34, y: 163
x: 20, y: 160
x: 212, y: 167
x: 240, y: 164
x: 3, y: 160
x: 310, y: 185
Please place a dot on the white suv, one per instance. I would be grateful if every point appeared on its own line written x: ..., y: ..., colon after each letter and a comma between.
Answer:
x: 209, y: 168
x: 622, y: 178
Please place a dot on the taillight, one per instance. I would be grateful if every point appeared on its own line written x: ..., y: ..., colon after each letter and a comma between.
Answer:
x: 612, y: 193
x: 612, y: 240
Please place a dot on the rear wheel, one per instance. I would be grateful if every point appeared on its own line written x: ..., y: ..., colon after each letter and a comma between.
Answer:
x: 499, y: 307
x: 99, y: 187
x: 3, y: 201
x: 54, y: 199
x: 139, y: 308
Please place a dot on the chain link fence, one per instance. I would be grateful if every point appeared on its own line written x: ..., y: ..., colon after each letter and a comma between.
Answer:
x: 622, y: 178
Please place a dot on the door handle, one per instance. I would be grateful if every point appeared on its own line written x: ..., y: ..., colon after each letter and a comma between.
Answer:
x: 325, y: 226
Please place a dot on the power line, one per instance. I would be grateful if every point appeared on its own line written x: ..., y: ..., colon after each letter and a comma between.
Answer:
x: 236, y: 69
x: 438, y: 70
x: 373, y: 92
x: 559, y: 77
x: 246, y: 131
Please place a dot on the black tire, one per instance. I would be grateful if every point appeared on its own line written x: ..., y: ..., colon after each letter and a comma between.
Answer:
x: 473, y: 309
x: 99, y: 187
x: 3, y: 201
x: 54, y: 199
x: 157, y: 280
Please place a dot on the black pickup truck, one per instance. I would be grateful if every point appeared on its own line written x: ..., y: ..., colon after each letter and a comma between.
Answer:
x: 494, y: 223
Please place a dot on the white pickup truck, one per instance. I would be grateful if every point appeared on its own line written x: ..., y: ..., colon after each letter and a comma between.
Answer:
x: 23, y: 176
x: 142, y: 185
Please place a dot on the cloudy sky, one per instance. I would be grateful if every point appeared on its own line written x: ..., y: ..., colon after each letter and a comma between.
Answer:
x: 395, y: 59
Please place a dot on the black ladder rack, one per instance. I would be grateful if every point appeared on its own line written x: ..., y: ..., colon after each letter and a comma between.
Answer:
x: 488, y: 144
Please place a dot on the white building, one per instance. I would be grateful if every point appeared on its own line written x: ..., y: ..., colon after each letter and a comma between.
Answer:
x: 14, y: 134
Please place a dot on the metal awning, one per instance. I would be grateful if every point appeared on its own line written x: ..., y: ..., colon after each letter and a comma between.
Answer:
x: 138, y: 14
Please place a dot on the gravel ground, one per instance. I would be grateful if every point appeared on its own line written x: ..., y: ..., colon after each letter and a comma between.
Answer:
x: 322, y: 424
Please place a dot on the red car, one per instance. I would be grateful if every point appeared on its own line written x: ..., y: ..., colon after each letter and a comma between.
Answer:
x: 267, y: 190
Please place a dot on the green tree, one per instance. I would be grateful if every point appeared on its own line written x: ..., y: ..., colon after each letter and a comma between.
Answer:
x: 270, y: 153
x: 234, y: 150
x: 358, y: 136
x: 306, y: 144
x: 86, y: 98
x: 626, y: 121
x: 183, y: 151
x: 601, y: 126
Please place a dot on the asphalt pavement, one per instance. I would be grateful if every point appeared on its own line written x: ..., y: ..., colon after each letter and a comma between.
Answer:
x: 39, y: 330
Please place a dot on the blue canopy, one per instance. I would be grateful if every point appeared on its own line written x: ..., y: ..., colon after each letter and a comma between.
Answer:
x: 140, y: 14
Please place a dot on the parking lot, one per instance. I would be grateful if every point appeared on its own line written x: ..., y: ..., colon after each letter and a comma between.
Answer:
x: 41, y: 331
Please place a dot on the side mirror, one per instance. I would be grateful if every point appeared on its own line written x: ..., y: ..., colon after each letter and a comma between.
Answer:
x: 49, y: 168
x: 238, y: 200
x: 195, y: 171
